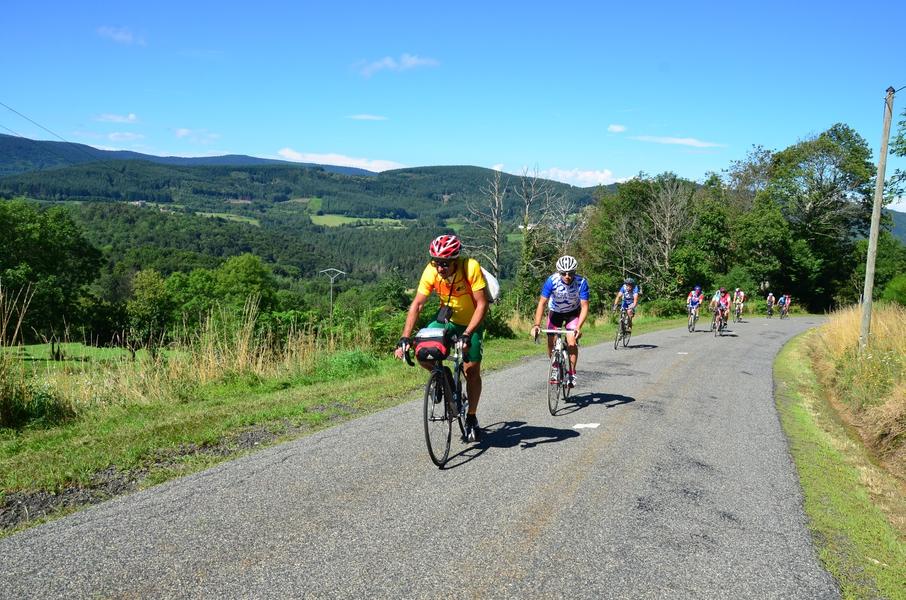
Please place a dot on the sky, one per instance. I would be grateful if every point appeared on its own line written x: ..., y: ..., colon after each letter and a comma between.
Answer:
x: 583, y: 93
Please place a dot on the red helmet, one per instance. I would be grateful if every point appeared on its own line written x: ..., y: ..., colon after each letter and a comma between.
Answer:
x: 445, y: 246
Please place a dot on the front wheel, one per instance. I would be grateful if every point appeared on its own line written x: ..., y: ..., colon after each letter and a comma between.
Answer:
x: 555, y: 385
x: 618, y: 335
x: 691, y: 325
x: 438, y: 415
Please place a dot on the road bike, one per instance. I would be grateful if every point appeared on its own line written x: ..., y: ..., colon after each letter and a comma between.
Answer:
x: 445, y: 402
x: 623, y: 331
x: 770, y: 311
x: 693, y: 318
x: 737, y: 313
x: 718, y: 324
x: 558, y: 375
x: 784, y: 312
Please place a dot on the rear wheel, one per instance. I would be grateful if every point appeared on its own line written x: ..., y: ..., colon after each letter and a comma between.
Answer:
x: 438, y: 417
x: 627, y: 333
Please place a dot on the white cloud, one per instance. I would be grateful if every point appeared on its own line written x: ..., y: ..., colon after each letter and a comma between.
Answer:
x: 110, y: 118
x: 124, y: 136
x: 497, y: 167
x: 579, y: 177
x: 677, y: 141
x: 340, y: 160
x: 405, y: 62
x: 367, y: 117
x: 614, y: 128
x: 120, y: 35
x: 196, y: 136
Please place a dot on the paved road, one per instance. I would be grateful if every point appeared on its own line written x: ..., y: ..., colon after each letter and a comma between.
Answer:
x: 684, y: 489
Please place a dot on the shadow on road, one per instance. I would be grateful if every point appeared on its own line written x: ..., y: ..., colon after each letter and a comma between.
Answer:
x: 510, y: 434
x: 641, y: 346
x: 580, y: 401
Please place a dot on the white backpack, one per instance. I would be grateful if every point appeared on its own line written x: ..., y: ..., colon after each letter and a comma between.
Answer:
x: 492, y: 290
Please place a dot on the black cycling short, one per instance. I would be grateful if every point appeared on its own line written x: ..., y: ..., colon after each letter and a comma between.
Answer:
x: 558, y: 319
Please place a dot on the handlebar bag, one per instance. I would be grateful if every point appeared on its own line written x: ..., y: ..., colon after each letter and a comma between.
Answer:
x: 432, y: 344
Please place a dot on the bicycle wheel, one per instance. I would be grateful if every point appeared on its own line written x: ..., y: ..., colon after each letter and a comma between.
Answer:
x: 691, y: 325
x: 617, y: 336
x: 554, y: 389
x: 438, y: 420
x: 627, y: 333
x: 716, y: 326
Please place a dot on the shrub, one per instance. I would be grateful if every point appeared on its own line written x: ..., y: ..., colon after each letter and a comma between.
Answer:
x: 664, y: 307
x: 895, y: 290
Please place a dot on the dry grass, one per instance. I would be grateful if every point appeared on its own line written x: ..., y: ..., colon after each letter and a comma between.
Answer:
x: 868, y: 388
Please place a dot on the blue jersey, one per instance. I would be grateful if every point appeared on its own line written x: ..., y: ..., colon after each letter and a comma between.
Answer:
x: 564, y: 298
x: 629, y: 293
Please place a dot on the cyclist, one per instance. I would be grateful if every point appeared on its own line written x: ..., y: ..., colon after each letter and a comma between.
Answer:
x: 739, y: 299
x: 721, y: 302
x: 566, y: 296
x: 770, y: 301
x: 695, y: 298
x: 782, y: 305
x: 629, y: 292
x: 460, y: 285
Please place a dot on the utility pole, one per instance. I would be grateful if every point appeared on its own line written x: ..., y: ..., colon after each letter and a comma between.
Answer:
x: 875, y: 224
x: 333, y: 274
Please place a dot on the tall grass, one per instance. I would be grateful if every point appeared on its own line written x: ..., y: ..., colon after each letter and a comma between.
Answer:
x: 869, y: 387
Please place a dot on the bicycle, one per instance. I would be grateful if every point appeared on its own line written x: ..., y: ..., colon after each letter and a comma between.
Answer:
x: 718, y: 323
x: 693, y: 318
x: 770, y: 311
x: 445, y: 402
x: 558, y: 379
x: 784, y: 313
x: 623, y: 331
x: 737, y: 315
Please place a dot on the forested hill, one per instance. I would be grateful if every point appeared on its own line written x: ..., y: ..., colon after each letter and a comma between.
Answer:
x: 22, y: 155
x: 428, y: 192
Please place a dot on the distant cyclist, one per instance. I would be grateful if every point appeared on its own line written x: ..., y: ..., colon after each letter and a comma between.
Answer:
x: 770, y: 301
x: 566, y: 295
x: 739, y: 299
x: 695, y: 298
x: 460, y: 285
x: 721, y: 302
x: 783, y: 303
x: 627, y: 297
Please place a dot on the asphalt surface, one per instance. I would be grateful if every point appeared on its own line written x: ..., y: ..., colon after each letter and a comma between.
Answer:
x: 684, y: 488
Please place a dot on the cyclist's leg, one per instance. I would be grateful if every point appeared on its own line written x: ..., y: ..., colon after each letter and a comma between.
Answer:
x: 472, y: 369
x: 550, y: 336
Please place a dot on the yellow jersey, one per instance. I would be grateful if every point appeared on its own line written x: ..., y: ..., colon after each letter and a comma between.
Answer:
x: 457, y: 291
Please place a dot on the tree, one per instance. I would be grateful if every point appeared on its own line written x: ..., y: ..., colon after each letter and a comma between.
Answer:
x: 46, y: 251
x: 749, y: 176
x: 148, y: 310
x: 486, y: 217
x: 242, y: 277
x: 823, y: 185
x: 669, y: 216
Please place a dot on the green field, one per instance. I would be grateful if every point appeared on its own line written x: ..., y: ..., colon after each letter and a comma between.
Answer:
x: 231, y: 217
x: 337, y: 220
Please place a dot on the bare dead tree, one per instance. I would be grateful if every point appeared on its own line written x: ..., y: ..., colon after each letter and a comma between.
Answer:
x: 486, y: 218
x: 668, y: 216
x: 531, y: 191
x: 562, y: 219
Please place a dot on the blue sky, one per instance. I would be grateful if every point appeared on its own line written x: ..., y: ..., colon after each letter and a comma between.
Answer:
x: 584, y: 93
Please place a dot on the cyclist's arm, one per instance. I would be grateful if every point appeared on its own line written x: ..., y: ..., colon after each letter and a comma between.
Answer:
x: 415, y: 309
x: 583, y: 313
x: 539, y: 311
x: 481, y: 307
x: 635, y: 301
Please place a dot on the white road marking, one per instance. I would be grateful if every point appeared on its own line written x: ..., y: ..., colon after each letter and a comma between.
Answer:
x: 682, y: 353
x: 586, y: 425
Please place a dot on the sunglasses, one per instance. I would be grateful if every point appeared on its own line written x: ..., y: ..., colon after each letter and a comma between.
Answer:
x: 441, y: 263
x: 568, y: 273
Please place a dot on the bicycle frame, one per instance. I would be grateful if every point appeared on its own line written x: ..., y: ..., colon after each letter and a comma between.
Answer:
x: 557, y: 386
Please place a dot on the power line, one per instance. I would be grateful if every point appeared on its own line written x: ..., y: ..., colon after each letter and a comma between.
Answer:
x: 11, y: 109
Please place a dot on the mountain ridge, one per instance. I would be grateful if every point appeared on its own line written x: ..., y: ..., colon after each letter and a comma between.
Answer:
x: 23, y: 155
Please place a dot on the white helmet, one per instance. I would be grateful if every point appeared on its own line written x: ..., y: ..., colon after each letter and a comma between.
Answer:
x: 567, y: 263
